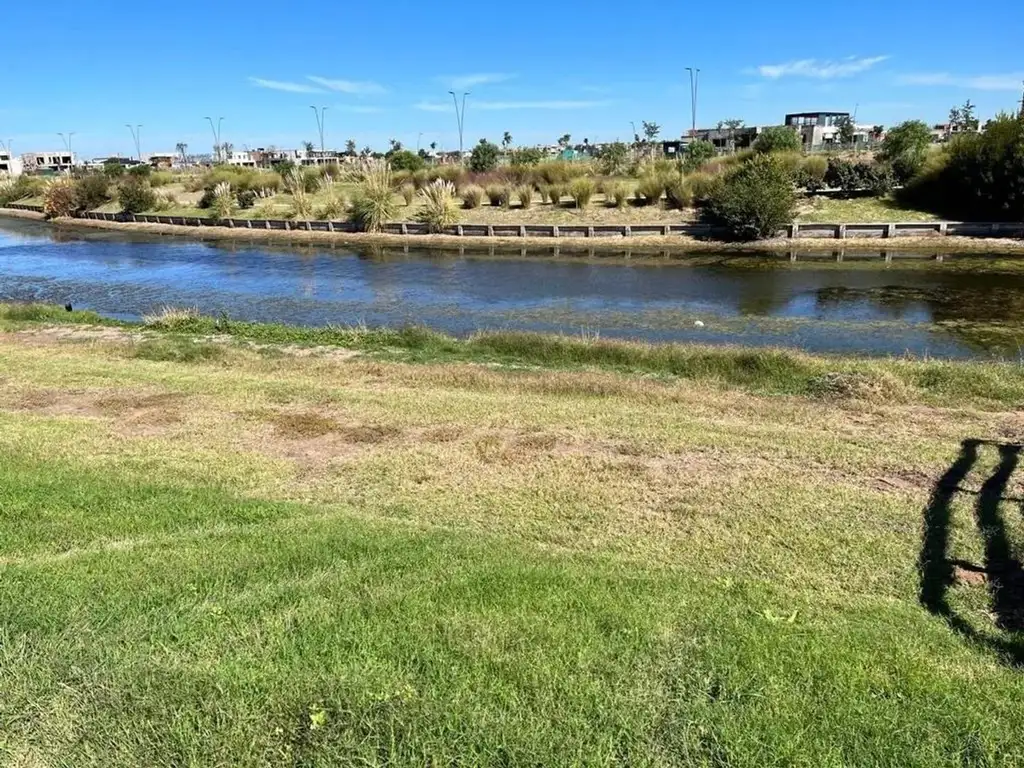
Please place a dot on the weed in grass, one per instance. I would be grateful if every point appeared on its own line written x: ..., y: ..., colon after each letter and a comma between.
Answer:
x: 176, y: 350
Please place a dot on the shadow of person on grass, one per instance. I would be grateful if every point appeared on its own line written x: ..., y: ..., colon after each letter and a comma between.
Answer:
x: 1001, y: 571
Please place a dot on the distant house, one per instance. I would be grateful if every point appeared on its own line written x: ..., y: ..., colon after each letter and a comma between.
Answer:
x: 821, y: 129
x: 163, y: 160
x: 42, y: 162
x: 9, y: 165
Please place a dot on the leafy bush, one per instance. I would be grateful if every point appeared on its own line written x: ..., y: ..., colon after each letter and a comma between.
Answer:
x: 498, y: 195
x: 484, y: 157
x: 777, y: 138
x: 18, y: 188
x: 374, y: 204
x: 614, y: 158
x: 524, y: 193
x: 161, y: 179
x: 852, y: 177
x: 135, y: 195
x: 697, y: 153
x: 91, y: 191
x: 404, y: 160
x: 206, y: 201
x: 113, y: 169
x: 472, y: 196
x: 679, y: 194
x: 439, y: 209
x: 754, y: 201
x: 702, y: 186
x: 650, y: 188
x: 582, y: 190
x: 224, y: 202
x: 978, y: 177
x: 142, y: 171
x: 246, y: 199
x: 527, y: 156
x: 59, y: 198
x: 616, y: 193
x: 905, y: 147
x: 812, y: 172
x: 408, y: 192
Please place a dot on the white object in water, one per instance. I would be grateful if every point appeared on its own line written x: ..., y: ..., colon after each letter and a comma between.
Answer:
x: 698, y: 323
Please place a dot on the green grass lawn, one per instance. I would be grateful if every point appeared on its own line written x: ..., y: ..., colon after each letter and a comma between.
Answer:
x: 858, y: 210
x: 252, y: 551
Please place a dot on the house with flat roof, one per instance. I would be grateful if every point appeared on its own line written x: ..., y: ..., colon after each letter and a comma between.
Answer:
x: 41, y: 162
x: 9, y: 165
x: 819, y: 130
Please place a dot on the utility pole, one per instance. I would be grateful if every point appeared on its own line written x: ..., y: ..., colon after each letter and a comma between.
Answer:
x: 320, y: 125
x: 216, y: 136
x: 136, y: 132
x: 460, y: 117
x: 67, y: 143
x: 694, y: 83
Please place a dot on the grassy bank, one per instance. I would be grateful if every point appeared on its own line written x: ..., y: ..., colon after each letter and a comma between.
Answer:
x: 259, y: 545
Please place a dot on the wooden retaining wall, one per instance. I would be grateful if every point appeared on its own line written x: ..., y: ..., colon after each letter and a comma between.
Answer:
x: 794, y: 231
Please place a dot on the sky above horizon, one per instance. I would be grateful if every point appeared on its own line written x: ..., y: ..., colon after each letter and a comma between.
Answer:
x: 535, y: 70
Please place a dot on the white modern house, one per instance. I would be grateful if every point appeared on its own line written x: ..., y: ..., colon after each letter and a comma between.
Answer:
x: 48, y: 161
x: 10, y: 165
x: 240, y: 157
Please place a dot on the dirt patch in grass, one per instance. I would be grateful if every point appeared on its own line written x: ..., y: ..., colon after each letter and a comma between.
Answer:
x: 296, y: 426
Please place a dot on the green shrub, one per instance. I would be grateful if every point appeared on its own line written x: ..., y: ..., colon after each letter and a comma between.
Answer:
x: 113, y: 169
x: 374, y: 206
x: 679, y: 194
x: 498, y: 195
x: 555, y: 192
x: 135, y: 195
x: 484, y: 157
x: 59, y: 198
x: 420, y: 179
x: 650, y: 188
x: 334, y: 205
x: 311, y: 180
x: 697, y: 153
x: 755, y: 200
x: 456, y: 174
x: 812, y: 172
x: 526, y: 156
x: 142, y: 171
x: 614, y: 158
x: 582, y: 190
x: 524, y: 193
x: 472, y: 196
x: 160, y: 179
x: 438, y: 209
x: 91, y: 191
x: 791, y: 163
x: 616, y: 194
x: 246, y: 198
x: 905, y: 147
x: 12, y: 190
x: 408, y: 192
x: 702, y: 186
x: 777, y: 138
x: 224, y: 203
x: 404, y: 160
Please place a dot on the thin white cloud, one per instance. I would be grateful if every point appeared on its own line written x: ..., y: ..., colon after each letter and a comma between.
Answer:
x: 818, y: 69
x: 357, y: 109
x: 432, y: 106
x: 353, y: 87
x: 279, y: 85
x: 496, y: 106
x: 1012, y: 81
x: 461, y: 82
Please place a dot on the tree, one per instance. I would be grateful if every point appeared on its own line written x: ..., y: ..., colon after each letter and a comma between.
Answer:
x: 756, y: 201
x: 366, y: 151
x: 484, y: 157
x: 526, y: 156
x: 777, y: 138
x: 905, y: 146
x: 651, y: 131
x: 182, y: 149
x: 350, y: 147
x: 395, y: 144
x: 506, y: 141
x: 227, y: 148
x: 433, y: 146
x: 962, y: 118
x: 308, y: 146
x: 404, y: 160
x: 614, y: 158
x: 731, y: 125
x: 563, y: 140
x: 847, y: 130
x: 135, y: 195
x: 697, y: 153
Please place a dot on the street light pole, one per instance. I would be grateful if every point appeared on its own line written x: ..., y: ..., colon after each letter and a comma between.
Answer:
x: 460, y: 117
x: 216, y: 136
x: 136, y: 133
x: 67, y: 143
x: 694, y: 83
x: 320, y: 124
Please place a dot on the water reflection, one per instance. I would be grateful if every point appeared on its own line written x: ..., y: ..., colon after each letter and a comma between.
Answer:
x: 961, y: 307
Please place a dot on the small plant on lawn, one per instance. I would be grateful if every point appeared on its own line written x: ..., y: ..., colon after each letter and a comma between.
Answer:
x: 472, y: 196
x: 224, y: 202
x: 524, y: 193
x: 59, y: 198
x: 812, y: 172
x: 582, y: 190
x: 164, y: 200
x: 334, y: 204
x: 439, y: 209
x: 91, y: 191
x: 498, y: 195
x: 755, y: 201
x: 374, y: 205
x: 135, y: 194
x: 650, y: 189
x: 172, y: 318
x: 408, y: 192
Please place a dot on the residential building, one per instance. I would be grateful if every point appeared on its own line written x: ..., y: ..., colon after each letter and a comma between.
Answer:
x: 163, y: 160
x: 41, y: 162
x: 9, y: 165
x: 242, y: 158
x: 724, y: 139
x: 325, y: 157
x: 943, y: 132
x: 820, y: 130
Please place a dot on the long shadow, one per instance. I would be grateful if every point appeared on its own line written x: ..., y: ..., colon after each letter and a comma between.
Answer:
x: 1003, y: 572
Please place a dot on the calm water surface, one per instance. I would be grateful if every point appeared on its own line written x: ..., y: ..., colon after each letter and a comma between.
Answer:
x: 960, y: 307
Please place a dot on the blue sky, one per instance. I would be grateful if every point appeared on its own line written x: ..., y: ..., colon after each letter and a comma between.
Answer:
x: 535, y: 69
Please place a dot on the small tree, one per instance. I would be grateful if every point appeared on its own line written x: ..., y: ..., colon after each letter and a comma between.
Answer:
x: 905, y: 146
x: 756, y: 200
x: 962, y: 118
x: 182, y: 149
x: 308, y: 147
x: 526, y: 156
x: 777, y: 138
x: 731, y: 125
x: 91, y: 191
x: 564, y: 140
x: 135, y: 195
x: 697, y: 153
x: 506, y: 141
x: 651, y: 131
x: 484, y: 157
x: 404, y: 160
x: 847, y: 130
x: 614, y: 158
x: 350, y: 147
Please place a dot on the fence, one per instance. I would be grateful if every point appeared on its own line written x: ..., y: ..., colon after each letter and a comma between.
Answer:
x: 794, y: 231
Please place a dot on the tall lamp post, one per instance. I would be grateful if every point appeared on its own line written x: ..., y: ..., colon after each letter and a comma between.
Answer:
x: 694, y: 83
x: 136, y: 133
x: 67, y: 143
x: 216, y: 135
x: 320, y: 125
x: 460, y: 117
